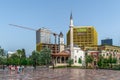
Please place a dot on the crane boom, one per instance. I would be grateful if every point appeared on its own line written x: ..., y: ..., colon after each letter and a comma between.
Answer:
x: 22, y: 27
x: 54, y: 34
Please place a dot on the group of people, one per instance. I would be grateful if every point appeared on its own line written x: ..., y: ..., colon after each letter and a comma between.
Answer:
x: 18, y: 69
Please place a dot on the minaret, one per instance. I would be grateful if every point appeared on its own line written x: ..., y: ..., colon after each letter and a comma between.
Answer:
x: 61, y: 42
x: 71, y: 36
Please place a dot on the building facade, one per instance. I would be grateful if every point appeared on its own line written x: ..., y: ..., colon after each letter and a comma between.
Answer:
x: 60, y: 58
x: 106, y: 51
x: 83, y: 36
x: 78, y: 57
x: 54, y: 47
x: 43, y: 36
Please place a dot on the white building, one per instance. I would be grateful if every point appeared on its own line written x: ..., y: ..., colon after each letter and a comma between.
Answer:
x: 10, y: 53
x: 78, y: 54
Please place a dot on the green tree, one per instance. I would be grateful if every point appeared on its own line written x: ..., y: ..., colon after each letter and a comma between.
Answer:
x: 100, y: 61
x: 79, y: 61
x: 45, y: 56
x: 70, y: 62
x: 24, y: 61
x: 88, y: 59
x: 2, y: 57
x: 15, y: 59
x: 29, y: 61
x: 19, y: 54
x: 23, y: 53
x: 105, y: 63
x: 110, y: 60
x: 2, y: 53
x: 35, y: 58
x: 114, y: 60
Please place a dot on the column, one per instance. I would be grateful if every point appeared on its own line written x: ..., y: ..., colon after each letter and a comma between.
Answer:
x: 64, y: 59
x: 56, y: 59
x: 60, y: 59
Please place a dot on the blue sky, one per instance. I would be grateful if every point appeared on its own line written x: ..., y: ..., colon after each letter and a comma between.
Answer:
x: 104, y: 15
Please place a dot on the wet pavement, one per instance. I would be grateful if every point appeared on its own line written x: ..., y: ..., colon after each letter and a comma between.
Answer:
x: 60, y: 74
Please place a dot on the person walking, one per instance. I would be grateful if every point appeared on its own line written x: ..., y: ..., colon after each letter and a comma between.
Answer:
x: 22, y: 68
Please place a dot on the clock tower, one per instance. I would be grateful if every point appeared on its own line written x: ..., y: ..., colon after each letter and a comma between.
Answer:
x: 61, y: 42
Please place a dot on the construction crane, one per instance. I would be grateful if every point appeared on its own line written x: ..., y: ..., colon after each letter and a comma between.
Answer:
x: 54, y: 34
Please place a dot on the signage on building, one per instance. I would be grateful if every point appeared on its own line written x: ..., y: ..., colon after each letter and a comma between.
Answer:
x: 81, y: 30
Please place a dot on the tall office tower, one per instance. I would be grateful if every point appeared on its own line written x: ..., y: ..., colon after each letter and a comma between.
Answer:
x: 85, y: 36
x: 43, y: 36
x: 107, y: 42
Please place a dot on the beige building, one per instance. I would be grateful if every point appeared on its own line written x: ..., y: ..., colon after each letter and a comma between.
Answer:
x: 107, y: 50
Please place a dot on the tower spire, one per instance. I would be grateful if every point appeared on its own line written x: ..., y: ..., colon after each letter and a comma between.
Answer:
x: 71, y: 16
x: 71, y: 20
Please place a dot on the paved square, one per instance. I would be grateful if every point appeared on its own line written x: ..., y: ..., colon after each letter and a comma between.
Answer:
x: 60, y: 74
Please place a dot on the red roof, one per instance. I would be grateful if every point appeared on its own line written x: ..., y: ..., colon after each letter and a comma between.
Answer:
x: 63, y: 53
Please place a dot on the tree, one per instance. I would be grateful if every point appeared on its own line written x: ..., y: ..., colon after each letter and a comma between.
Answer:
x: 15, y: 59
x: 100, y: 61
x: 19, y: 53
x: 70, y: 62
x: 114, y: 60
x: 35, y: 58
x: 105, y: 63
x: 45, y: 56
x: 88, y: 59
x: 23, y: 53
x: 79, y: 61
x: 110, y: 60
x: 2, y: 57
x: 2, y: 53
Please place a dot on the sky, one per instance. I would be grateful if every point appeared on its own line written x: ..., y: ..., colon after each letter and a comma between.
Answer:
x: 104, y: 15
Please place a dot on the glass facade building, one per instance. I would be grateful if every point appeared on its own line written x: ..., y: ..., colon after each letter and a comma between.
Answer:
x: 107, y: 42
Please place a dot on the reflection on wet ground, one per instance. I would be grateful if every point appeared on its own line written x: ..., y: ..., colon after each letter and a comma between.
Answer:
x: 60, y: 74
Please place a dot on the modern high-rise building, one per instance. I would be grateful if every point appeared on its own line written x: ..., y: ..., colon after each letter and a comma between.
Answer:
x: 83, y: 36
x: 43, y: 36
x: 107, y: 42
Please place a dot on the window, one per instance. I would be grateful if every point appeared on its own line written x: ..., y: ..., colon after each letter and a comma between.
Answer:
x: 107, y: 54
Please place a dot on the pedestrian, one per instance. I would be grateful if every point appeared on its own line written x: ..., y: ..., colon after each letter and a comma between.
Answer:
x: 22, y: 68
x: 18, y: 69
x: 3, y: 67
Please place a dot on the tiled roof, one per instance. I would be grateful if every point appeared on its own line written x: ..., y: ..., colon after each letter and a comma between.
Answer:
x: 63, y: 53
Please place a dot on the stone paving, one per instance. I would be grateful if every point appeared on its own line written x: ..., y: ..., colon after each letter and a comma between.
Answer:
x: 60, y: 74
